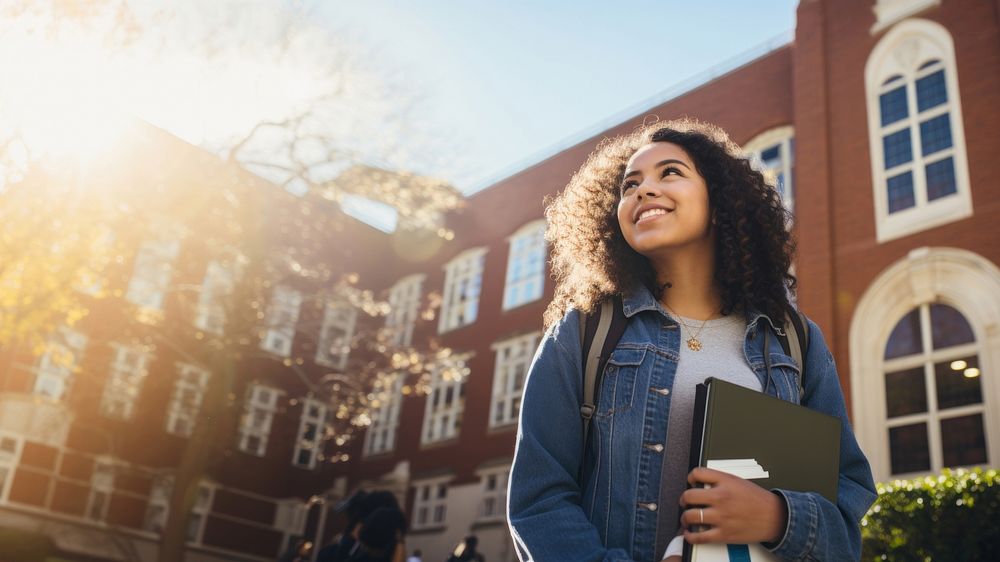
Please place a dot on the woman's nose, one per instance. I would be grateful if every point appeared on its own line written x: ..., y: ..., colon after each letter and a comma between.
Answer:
x: 646, y: 190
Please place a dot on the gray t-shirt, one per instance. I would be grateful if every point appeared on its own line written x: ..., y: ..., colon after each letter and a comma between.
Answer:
x: 721, y: 356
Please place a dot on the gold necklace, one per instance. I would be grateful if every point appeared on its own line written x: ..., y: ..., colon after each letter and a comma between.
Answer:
x: 693, y: 343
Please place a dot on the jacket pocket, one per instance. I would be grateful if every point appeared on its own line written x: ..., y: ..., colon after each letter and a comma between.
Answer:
x: 618, y: 383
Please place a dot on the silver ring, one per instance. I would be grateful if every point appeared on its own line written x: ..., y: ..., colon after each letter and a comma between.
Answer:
x: 701, y: 513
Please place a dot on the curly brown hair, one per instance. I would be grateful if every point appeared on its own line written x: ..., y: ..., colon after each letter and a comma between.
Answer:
x: 591, y: 261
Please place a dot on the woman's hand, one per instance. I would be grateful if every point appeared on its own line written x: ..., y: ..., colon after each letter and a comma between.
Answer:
x: 735, y: 511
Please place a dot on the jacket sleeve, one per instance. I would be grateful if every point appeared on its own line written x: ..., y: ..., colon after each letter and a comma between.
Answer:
x: 817, y: 529
x: 544, y: 509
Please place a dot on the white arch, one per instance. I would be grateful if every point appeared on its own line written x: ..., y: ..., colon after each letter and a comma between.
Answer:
x: 959, y: 278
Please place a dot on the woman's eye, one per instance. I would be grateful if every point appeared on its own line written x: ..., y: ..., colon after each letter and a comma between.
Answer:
x: 628, y: 188
x: 668, y: 171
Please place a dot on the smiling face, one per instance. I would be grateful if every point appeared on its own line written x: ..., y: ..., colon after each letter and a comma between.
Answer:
x: 664, y: 202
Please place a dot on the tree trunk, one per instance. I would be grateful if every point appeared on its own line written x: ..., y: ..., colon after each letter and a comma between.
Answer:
x: 203, y: 443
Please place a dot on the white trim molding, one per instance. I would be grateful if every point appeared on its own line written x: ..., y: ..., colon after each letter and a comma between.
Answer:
x: 888, y: 12
x: 955, y: 277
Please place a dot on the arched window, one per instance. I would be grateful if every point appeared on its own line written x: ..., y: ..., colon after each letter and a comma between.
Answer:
x: 925, y: 350
x: 919, y: 172
x: 933, y: 392
x: 774, y: 151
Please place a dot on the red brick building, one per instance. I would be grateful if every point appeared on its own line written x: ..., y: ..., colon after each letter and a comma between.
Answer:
x: 93, y: 430
x: 880, y: 121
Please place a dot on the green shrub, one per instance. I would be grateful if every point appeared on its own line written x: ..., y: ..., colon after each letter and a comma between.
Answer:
x: 22, y: 546
x: 954, y: 516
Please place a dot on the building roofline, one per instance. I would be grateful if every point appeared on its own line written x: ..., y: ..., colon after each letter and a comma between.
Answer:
x: 682, y: 88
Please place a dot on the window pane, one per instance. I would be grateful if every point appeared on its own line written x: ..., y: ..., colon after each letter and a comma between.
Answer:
x: 905, y: 337
x: 896, y: 148
x: 908, y: 447
x: 905, y: 392
x: 305, y: 456
x: 901, y: 192
x: 949, y: 327
x: 935, y: 134
x: 963, y: 440
x: 893, y: 105
x: 940, y: 179
x: 931, y: 91
x: 953, y: 387
x: 769, y: 154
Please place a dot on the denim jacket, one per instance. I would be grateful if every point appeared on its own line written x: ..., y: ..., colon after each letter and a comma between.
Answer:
x: 611, y: 515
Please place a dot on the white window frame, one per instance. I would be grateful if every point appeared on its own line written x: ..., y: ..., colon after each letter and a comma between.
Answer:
x: 313, y: 417
x: 525, y: 280
x: 10, y: 457
x: 158, y: 505
x: 380, y: 437
x: 290, y: 516
x: 784, y: 138
x: 430, y: 505
x: 128, y: 370
x: 933, y: 415
x: 404, y: 306
x: 493, y: 494
x: 152, y: 272
x: 282, y: 318
x: 210, y: 314
x: 961, y: 279
x: 186, y: 399
x: 57, y: 365
x: 906, y: 47
x: 195, y: 532
x: 258, y: 417
x: 445, y: 403
x: 102, y: 486
x: 888, y: 12
x: 462, y: 288
x: 336, y: 334
x: 513, y: 357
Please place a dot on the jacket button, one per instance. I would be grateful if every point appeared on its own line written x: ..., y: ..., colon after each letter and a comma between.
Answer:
x: 661, y: 391
x: 649, y: 506
x: 657, y: 447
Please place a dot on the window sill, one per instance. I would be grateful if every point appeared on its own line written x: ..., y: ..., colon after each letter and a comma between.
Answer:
x: 439, y: 444
x: 427, y: 530
x: 489, y: 523
x: 919, y: 219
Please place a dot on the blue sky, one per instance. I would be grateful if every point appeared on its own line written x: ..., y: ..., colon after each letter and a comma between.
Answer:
x: 507, y: 81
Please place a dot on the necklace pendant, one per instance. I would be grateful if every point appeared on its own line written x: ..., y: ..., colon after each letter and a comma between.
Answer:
x: 694, y: 344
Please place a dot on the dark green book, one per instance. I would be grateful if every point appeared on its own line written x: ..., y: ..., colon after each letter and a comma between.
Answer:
x: 788, y: 446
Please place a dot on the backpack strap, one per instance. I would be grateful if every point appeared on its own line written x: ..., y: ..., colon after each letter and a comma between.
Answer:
x: 794, y: 343
x: 599, y: 335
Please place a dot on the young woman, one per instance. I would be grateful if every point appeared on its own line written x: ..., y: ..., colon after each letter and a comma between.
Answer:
x: 677, y: 223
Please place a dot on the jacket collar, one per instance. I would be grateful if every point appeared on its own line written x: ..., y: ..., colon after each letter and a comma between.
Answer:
x: 639, y: 299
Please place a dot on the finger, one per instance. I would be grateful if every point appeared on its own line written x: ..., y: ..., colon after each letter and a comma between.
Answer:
x: 703, y: 537
x: 697, y: 516
x: 702, y: 475
x: 698, y: 497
